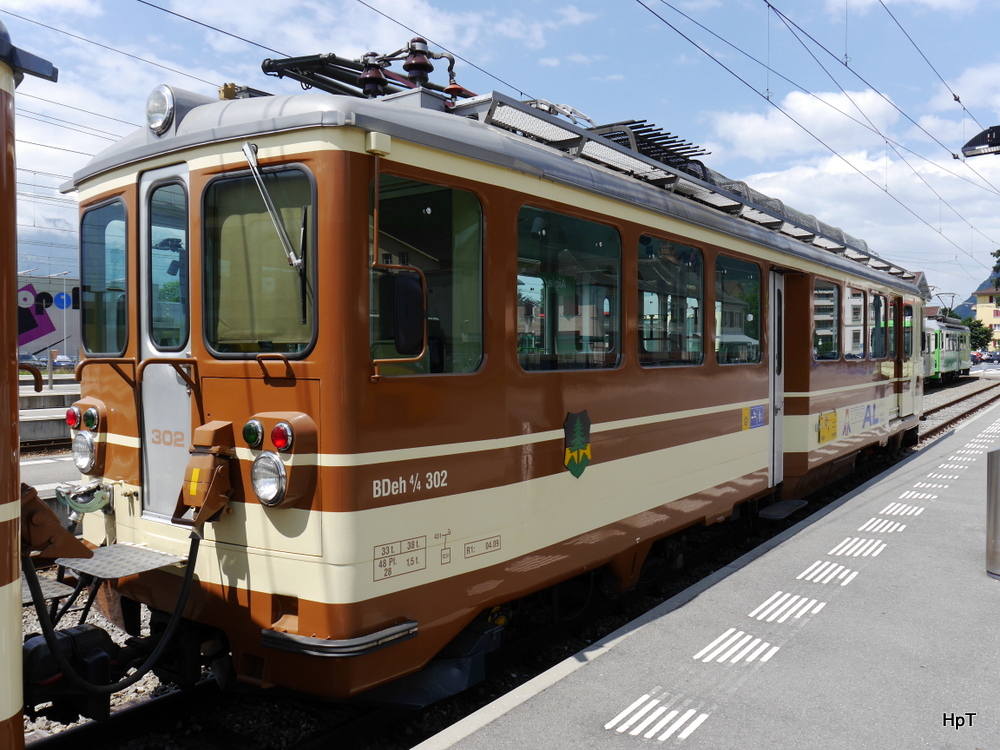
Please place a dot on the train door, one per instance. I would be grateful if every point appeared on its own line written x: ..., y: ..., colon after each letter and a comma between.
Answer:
x: 906, y: 373
x: 776, y: 371
x: 164, y: 336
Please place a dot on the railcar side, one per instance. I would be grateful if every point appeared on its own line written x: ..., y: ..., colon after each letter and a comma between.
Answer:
x: 599, y: 365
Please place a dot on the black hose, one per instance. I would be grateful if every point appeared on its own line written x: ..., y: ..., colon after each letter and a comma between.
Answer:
x: 50, y: 637
x: 70, y: 600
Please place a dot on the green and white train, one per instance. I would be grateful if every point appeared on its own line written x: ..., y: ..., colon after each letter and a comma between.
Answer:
x: 947, y: 348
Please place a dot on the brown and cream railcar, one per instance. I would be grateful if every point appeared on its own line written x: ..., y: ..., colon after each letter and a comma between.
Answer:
x: 398, y: 363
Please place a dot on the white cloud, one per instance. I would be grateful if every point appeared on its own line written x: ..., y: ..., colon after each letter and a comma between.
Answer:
x: 773, y: 134
x: 924, y: 233
x: 836, y: 7
x: 35, y: 7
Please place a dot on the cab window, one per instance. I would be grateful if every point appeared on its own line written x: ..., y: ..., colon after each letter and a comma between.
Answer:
x: 168, y: 267
x: 103, y: 302
x: 255, y: 301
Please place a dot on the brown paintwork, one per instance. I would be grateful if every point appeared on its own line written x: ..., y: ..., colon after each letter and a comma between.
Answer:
x: 243, y: 614
x: 353, y: 415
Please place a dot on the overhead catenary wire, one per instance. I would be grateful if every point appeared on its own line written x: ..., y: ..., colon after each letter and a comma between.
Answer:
x: 877, y: 130
x: 885, y: 98
x: 109, y: 48
x: 804, y: 129
x: 931, y: 65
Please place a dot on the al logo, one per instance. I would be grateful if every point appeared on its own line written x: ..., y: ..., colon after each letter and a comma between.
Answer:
x: 577, y: 431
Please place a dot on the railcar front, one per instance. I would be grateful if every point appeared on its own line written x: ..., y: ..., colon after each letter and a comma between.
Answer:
x: 398, y: 367
x: 949, y: 349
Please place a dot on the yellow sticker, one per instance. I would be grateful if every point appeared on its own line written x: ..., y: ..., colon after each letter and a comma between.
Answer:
x: 193, y: 486
x: 828, y: 426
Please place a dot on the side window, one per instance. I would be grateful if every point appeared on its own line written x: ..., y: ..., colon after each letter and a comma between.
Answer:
x: 877, y: 326
x: 671, y: 300
x: 854, y: 324
x: 826, y: 320
x: 104, y: 309
x: 255, y: 302
x: 568, y: 295
x: 908, y: 329
x: 168, y: 267
x: 438, y: 230
x: 737, y: 311
x: 893, y: 318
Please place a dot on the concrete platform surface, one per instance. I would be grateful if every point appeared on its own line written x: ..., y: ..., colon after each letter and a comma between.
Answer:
x: 872, y: 624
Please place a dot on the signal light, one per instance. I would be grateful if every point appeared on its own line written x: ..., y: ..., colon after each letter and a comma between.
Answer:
x: 281, y: 436
x: 73, y: 417
x: 253, y: 433
x: 91, y: 418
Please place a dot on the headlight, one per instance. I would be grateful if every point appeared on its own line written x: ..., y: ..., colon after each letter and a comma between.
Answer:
x: 268, y: 478
x: 160, y: 109
x: 84, y: 452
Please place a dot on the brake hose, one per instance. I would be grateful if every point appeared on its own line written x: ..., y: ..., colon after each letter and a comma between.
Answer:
x: 48, y: 631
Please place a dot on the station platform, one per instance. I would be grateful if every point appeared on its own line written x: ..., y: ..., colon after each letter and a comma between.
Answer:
x: 871, y: 624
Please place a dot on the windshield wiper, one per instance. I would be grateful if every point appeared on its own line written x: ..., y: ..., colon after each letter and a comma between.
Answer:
x: 250, y: 151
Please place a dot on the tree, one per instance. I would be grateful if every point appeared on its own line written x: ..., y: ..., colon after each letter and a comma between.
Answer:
x: 981, y: 336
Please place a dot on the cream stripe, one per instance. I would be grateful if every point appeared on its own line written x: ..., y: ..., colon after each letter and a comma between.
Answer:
x: 456, y: 449
x: 219, y: 154
x: 842, y: 389
x: 328, y: 557
x: 6, y: 79
x: 10, y: 650
x: 8, y: 512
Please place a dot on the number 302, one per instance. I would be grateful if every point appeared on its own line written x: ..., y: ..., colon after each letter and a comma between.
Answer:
x: 166, y: 437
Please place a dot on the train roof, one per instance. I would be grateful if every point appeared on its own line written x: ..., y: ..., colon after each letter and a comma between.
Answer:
x: 944, y: 323
x: 629, y: 161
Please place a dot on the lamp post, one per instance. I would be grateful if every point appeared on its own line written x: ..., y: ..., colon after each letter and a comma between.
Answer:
x: 14, y: 64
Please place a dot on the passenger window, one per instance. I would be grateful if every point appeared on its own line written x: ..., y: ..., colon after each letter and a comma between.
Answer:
x: 893, y: 318
x: 854, y: 324
x: 438, y: 230
x: 568, y: 273
x: 255, y: 301
x: 671, y: 297
x: 877, y: 326
x: 737, y: 311
x: 104, y: 312
x: 826, y: 320
x: 168, y: 267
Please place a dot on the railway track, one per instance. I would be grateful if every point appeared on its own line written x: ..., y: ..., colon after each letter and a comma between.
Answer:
x: 208, y: 719
x: 946, y: 407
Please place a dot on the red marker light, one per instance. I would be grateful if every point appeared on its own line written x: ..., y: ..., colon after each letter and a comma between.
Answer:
x: 73, y: 417
x: 281, y: 436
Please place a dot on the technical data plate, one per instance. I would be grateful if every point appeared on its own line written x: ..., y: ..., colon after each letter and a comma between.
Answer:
x: 50, y: 590
x: 120, y: 560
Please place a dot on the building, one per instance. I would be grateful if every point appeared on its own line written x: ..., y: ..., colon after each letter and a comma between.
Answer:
x: 988, y: 312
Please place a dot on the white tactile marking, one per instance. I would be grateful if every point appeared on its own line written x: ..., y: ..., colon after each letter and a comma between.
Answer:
x: 659, y: 721
x: 855, y: 546
x: 723, y: 647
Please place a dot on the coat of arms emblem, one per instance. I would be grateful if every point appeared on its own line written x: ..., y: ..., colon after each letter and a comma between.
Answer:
x: 577, y: 431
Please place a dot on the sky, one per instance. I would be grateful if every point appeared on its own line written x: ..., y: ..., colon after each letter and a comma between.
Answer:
x: 851, y: 110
